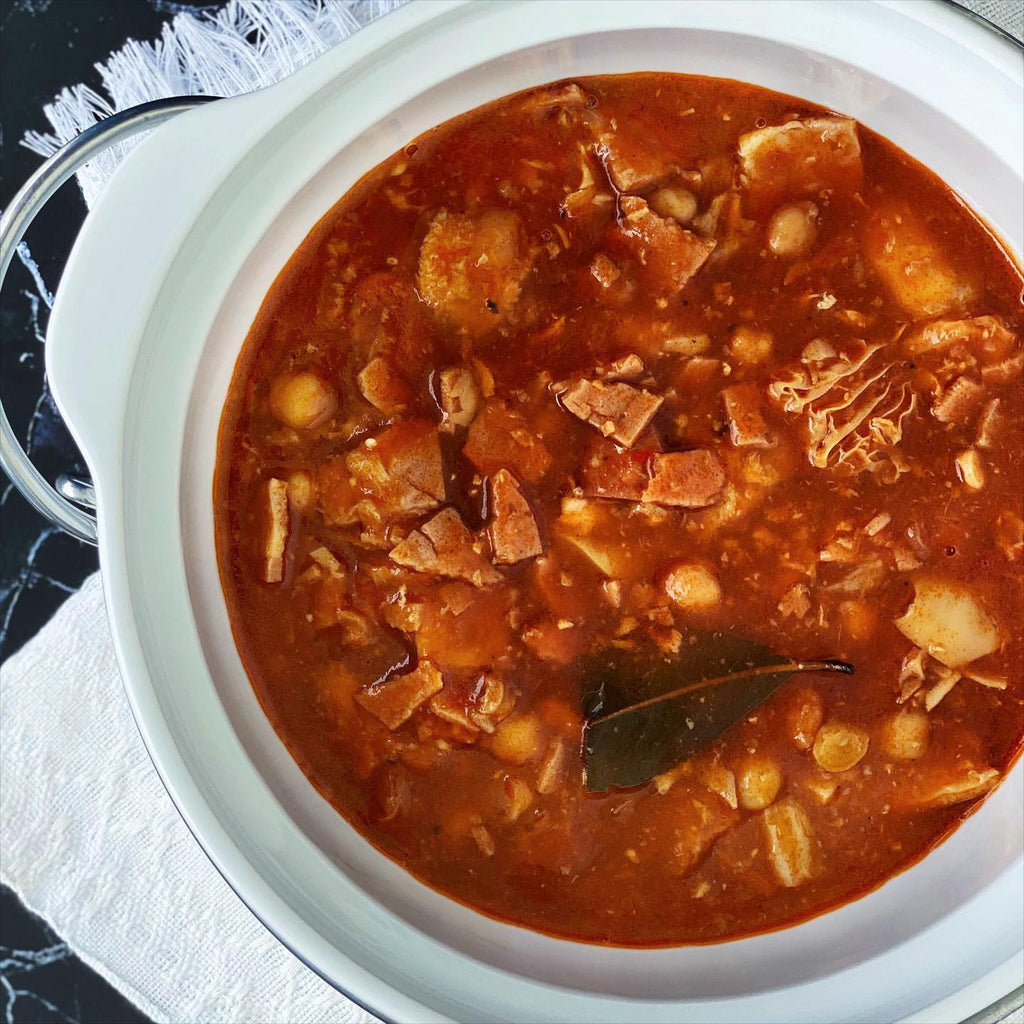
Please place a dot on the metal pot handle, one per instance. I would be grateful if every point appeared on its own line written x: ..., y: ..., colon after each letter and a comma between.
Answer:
x: 30, y: 199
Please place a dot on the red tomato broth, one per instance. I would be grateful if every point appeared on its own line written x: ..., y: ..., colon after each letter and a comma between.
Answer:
x: 481, y: 811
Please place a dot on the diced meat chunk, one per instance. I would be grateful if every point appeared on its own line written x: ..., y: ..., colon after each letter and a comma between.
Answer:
x: 987, y: 336
x: 629, y: 367
x: 970, y: 469
x: 471, y: 269
x: 605, y: 270
x: 959, y: 399
x: 444, y: 547
x: 513, y: 530
x: 397, y: 474
x: 633, y: 165
x: 912, y: 265
x: 382, y: 387
x: 743, y: 410
x: 499, y: 438
x: 670, y: 254
x: 459, y: 398
x: 800, y: 159
x: 619, y: 411
x: 395, y: 699
x: 788, y: 835
x: 692, y: 479
x: 609, y: 472
x: 276, y: 536
x: 550, y: 641
x: 697, y: 822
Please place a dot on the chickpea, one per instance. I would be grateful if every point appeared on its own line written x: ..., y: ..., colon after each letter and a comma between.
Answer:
x: 758, y: 782
x: 859, y: 620
x: 301, y: 400
x: 678, y: 203
x: 748, y: 345
x: 838, y: 747
x: 301, y: 490
x: 793, y: 229
x: 804, y: 716
x: 692, y: 586
x: 905, y: 735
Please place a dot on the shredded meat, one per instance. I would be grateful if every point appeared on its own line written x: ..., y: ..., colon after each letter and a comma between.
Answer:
x: 959, y: 399
x: 513, y: 530
x: 619, y: 411
x: 444, y: 547
x: 856, y: 404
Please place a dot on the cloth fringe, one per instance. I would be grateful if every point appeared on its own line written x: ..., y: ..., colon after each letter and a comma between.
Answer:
x: 246, y: 45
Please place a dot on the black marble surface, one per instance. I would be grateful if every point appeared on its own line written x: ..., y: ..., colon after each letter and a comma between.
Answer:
x: 44, y: 46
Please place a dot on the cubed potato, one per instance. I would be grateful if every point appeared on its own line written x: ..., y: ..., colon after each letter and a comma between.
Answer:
x: 948, y: 621
x: 748, y: 345
x: 912, y: 265
x: 904, y: 735
x: 838, y: 747
x: 471, y: 269
x: 693, y: 587
x: 758, y: 781
x: 302, y: 400
x: 788, y: 841
x: 793, y: 229
x: 518, y: 740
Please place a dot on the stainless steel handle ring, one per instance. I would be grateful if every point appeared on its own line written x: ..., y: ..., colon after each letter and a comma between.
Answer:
x: 14, y: 222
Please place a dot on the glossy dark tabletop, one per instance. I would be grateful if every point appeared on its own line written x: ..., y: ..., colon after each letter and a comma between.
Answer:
x: 44, y: 46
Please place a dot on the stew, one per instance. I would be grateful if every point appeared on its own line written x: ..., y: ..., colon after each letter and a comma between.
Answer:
x: 634, y: 396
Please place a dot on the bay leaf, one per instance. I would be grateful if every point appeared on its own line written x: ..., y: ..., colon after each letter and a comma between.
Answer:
x: 646, y: 712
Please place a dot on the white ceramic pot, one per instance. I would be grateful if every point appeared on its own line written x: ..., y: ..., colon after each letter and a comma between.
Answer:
x: 156, y: 300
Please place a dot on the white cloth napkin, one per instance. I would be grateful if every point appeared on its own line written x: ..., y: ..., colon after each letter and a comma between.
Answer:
x: 91, y: 841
